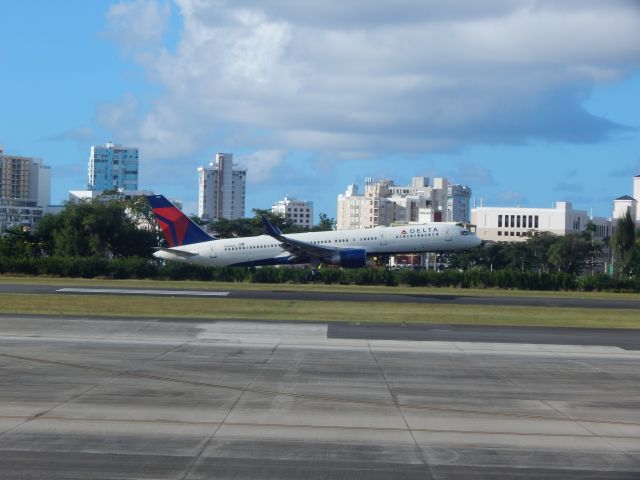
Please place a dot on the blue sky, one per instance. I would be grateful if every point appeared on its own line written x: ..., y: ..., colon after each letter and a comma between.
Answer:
x: 527, y: 102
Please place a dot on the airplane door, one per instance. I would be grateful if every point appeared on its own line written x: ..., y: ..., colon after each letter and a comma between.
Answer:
x: 212, y: 252
x: 383, y: 240
x: 447, y: 236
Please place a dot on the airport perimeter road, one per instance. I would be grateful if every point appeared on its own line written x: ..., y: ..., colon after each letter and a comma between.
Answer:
x: 89, y: 398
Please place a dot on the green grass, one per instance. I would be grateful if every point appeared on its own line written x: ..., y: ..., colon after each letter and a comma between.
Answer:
x: 195, y: 285
x: 235, y: 309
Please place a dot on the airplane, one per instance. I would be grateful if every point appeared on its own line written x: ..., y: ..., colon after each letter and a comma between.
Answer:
x: 344, y: 248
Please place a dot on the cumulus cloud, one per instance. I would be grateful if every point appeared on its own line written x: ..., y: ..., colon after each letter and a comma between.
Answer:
x: 356, y: 78
x: 260, y: 164
x: 137, y: 25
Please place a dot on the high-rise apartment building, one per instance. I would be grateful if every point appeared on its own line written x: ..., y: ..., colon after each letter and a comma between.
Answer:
x: 384, y: 203
x: 298, y: 212
x: 221, y: 189
x: 113, y: 167
x: 25, y: 190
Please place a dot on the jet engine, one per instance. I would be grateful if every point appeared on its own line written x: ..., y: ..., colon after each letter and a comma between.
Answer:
x: 349, y: 258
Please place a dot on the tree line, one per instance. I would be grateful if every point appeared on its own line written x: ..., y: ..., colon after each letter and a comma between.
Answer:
x: 573, y: 254
x: 105, y: 239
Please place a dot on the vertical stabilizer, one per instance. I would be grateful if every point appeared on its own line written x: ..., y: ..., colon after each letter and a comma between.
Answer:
x: 178, y: 229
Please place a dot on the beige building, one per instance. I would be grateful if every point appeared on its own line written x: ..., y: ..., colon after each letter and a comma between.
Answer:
x: 25, y: 178
x: 384, y: 203
x: 25, y: 190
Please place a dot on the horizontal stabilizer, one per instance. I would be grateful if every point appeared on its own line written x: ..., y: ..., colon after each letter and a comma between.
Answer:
x: 174, y: 251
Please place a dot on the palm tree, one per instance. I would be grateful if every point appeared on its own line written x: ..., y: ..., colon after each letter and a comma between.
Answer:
x: 623, y: 244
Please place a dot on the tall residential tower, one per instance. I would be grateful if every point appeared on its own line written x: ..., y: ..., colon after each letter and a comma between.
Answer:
x: 221, y: 189
x: 25, y: 190
x: 113, y: 167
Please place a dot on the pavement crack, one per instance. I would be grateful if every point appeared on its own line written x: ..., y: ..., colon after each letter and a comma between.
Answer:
x: 428, y: 471
x: 194, y: 462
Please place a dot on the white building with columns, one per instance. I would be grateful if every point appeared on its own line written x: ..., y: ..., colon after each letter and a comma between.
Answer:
x: 512, y: 224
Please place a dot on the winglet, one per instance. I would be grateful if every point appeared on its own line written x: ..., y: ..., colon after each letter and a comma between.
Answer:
x: 271, y: 230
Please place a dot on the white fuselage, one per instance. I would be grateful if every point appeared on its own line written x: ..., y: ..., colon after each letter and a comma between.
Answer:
x: 265, y: 250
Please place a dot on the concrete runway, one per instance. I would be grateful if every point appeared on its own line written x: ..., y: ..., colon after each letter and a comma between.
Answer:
x: 106, y: 398
x: 441, y: 299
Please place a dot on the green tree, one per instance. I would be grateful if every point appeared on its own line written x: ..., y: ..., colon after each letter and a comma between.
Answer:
x: 93, y: 229
x: 140, y: 211
x: 325, y: 223
x: 18, y: 243
x: 569, y: 253
x: 538, y: 246
x: 624, y: 244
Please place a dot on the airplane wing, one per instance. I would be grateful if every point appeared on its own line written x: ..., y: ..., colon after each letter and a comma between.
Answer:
x: 297, y: 247
x: 175, y: 251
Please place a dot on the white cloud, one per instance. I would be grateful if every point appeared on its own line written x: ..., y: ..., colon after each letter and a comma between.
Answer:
x: 340, y: 77
x: 137, y: 25
x: 261, y: 164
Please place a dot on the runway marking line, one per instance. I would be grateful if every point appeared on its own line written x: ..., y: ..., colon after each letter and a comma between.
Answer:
x: 126, y: 291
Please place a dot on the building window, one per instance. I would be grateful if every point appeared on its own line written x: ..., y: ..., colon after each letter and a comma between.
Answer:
x: 499, y: 222
x: 499, y: 233
x: 530, y: 221
x: 535, y: 221
x: 518, y: 220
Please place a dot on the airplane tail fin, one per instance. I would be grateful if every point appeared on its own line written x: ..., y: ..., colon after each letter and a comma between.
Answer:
x: 270, y: 229
x: 178, y: 229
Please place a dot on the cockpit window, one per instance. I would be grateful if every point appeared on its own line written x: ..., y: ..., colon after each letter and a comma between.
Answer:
x: 465, y: 232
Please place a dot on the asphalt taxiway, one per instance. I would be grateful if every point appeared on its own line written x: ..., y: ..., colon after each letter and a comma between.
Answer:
x: 437, y: 299
x: 85, y: 398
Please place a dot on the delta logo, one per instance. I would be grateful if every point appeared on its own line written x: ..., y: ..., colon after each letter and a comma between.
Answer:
x: 419, y: 230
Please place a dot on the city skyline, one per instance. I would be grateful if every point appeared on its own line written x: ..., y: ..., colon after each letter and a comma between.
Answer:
x: 542, y: 109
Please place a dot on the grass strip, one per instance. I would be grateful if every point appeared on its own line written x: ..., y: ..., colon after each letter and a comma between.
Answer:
x: 284, y: 310
x: 217, y: 286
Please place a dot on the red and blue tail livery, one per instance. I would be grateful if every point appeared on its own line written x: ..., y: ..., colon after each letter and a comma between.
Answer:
x: 178, y: 229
